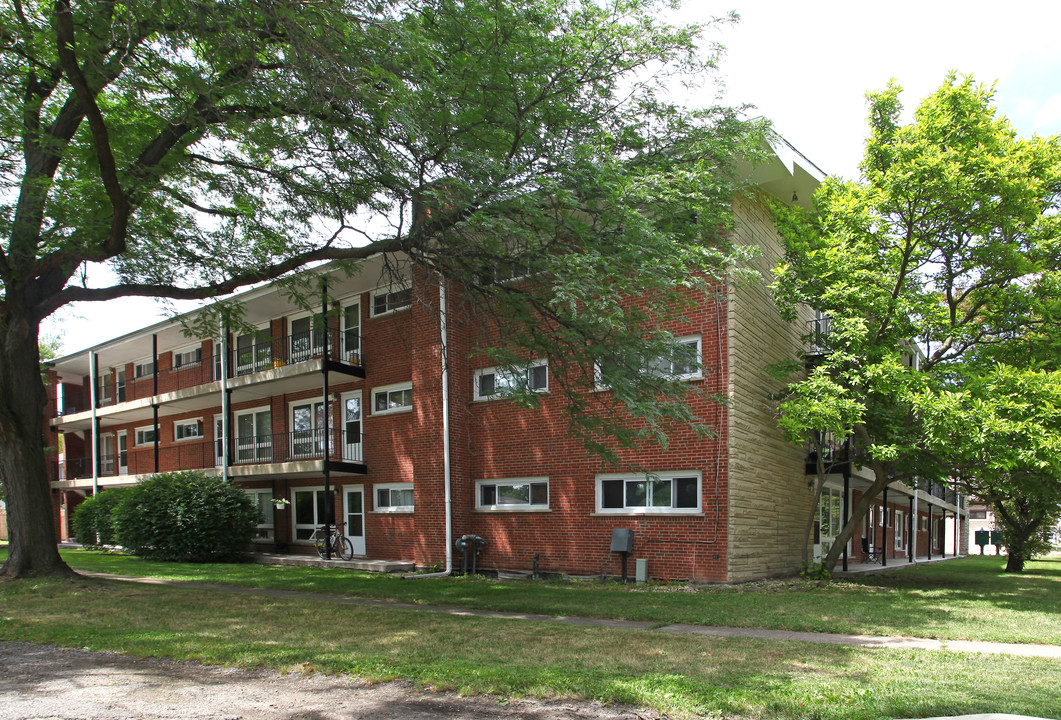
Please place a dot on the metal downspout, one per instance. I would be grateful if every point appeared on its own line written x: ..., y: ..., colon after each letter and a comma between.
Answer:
x: 226, y: 402
x: 446, y: 472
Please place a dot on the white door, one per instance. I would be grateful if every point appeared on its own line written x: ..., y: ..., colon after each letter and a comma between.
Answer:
x: 351, y: 427
x: 355, y: 517
x: 123, y: 453
x: 254, y: 438
x: 307, y: 425
x: 106, y: 455
x: 219, y: 442
x: 352, y: 333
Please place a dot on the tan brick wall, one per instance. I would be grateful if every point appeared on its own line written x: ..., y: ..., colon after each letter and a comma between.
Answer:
x: 768, y: 495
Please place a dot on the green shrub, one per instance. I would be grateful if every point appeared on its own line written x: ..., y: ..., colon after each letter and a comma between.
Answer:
x: 186, y: 516
x: 93, y: 519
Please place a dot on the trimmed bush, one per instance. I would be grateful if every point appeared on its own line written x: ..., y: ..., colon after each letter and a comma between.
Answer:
x: 93, y: 519
x: 187, y: 517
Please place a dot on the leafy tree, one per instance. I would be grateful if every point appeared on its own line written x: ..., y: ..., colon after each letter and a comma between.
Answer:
x: 198, y: 147
x: 948, y: 244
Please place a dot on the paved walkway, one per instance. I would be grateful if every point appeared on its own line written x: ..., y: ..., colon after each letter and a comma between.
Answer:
x: 901, y: 643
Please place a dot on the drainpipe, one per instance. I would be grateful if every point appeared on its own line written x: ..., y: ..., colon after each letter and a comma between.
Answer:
x: 226, y: 402
x: 447, y: 476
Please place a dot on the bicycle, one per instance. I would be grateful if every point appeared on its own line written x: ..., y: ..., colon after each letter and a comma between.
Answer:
x: 341, y: 546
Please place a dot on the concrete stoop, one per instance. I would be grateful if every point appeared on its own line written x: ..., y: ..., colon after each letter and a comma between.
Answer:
x: 377, y: 566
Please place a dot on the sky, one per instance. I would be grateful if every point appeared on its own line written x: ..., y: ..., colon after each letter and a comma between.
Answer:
x: 807, y: 67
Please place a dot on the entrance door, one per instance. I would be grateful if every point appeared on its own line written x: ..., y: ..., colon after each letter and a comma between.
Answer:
x: 355, y: 517
x: 123, y: 453
x: 106, y: 455
x: 352, y: 333
x: 352, y: 427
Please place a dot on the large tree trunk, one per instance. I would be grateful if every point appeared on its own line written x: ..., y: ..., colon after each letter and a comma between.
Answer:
x: 32, y: 550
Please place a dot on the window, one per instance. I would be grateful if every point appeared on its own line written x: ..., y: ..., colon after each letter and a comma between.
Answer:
x: 188, y: 357
x: 390, y: 300
x: 187, y: 429
x: 661, y: 493
x: 395, y: 497
x: 311, y: 506
x: 254, y: 436
x: 144, y: 369
x: 352, y: 333
x: 263, y: 499
x: 924, y: 523
x: 307, y: 338
x: 145, y: 436
x: 495, y: 382
x: 518, y: 494
x: 978, y: 514
x: 254, y: 353
x: 684, y: 363
x: 392, y: 398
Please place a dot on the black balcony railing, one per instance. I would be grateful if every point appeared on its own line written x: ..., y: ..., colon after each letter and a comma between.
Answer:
x: 291, y: 349
x: 818, y: 331
x: 202, y: 454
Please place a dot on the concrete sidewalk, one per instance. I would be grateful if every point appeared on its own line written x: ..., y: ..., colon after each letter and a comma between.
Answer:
x: 1052, y: 652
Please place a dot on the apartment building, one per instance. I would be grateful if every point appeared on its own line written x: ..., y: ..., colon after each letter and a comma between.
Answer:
x: 363, y: 422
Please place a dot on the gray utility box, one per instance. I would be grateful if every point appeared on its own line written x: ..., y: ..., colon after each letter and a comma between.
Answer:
x: 622, y: 540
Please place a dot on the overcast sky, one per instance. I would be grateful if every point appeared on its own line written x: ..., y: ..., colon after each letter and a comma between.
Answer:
x: 807, y: 66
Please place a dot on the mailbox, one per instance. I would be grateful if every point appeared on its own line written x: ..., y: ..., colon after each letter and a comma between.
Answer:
x: 622, y: 540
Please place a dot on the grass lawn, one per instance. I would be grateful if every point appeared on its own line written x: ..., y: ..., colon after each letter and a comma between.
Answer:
x: 679, y: 675
x: 967, y: 599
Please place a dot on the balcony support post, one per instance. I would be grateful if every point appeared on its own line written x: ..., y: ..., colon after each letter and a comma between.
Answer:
x: 329, y: 508
x: 930, y: 531
x: 913, y: 525
x: 884, y: 533
x: 93, y: 363
x: 917, y: 524
x: 847, y: 502
x: 154, y: 376
x: 154, y: 415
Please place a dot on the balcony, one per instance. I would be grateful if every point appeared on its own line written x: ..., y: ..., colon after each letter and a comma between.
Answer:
x: 296, y: 348
x: 293, y: 447
x: 817, y: 340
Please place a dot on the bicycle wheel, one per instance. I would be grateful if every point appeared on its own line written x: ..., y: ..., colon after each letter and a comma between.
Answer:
x: 344, y: 548
x: 321, y: 544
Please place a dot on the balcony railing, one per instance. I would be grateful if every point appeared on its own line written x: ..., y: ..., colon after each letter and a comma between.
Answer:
x: 818, y: 331
x: 203, y: 454
x: 244, y: 360
x: 291, y: 349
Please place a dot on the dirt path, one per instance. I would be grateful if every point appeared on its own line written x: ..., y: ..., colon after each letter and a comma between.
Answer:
x: 45, y: 682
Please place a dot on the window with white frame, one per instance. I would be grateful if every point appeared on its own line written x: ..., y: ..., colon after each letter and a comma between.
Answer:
x: 144, y: 369
x: 924, y: 523
x: 512, y: 494
x: 392, y: 398
x: 394, y: 497
x: 192, y: 356
x: 684, y: 363
x: 145, y: 436
x: 263, y: 500
x: 187, y: 429
x: 390, y: 299
x: 496, y: 382
x: 649, y: 493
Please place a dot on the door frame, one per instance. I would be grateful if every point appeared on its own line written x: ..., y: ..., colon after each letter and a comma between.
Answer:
x: 358, y: 541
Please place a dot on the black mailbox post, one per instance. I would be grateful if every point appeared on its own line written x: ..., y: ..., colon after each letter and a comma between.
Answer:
x: 983, y: 537
x: 996, y: 540
x: 623, y: 543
